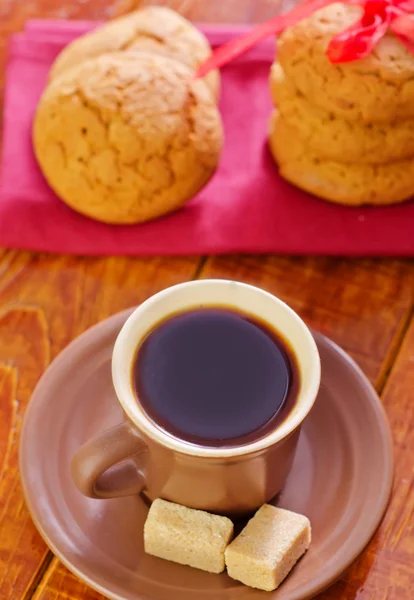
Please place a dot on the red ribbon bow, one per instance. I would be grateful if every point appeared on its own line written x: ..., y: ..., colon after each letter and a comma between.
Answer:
x: 353, y: 43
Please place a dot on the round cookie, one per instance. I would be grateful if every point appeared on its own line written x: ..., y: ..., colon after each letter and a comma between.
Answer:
x: 379, y: 87
x: 342, y: 183
x: 334, y: 138
x: 125, y: 138
x: 153, y: 29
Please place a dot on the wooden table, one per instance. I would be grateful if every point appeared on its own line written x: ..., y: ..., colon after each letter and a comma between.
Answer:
x: 366, y: 306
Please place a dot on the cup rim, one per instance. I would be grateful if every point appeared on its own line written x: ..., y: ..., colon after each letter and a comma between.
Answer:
x: 130, y: 403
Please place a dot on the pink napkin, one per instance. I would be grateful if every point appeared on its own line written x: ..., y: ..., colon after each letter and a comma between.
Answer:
x: 246, y: 207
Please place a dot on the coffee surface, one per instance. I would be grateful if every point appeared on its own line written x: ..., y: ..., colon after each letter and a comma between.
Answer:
x: 213, y: 376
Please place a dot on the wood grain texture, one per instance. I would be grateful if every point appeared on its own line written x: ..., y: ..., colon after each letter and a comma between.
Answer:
x: 45, y: 301
x: 385, y: 570
x: 365, y: 306
x: 60, y: 584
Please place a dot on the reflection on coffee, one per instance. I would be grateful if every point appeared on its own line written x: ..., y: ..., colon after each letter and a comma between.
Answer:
x: 214, y: 376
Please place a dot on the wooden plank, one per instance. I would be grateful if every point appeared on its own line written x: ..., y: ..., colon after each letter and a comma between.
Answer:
x: 45, y: 301
x: 60, y: 584
x: 363, y: 305
x: 385, y: 570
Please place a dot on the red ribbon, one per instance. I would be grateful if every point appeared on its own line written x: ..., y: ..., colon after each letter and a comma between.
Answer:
x: 354, y: 43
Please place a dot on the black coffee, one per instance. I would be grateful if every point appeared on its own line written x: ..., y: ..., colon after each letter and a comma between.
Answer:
x: 213, y: 376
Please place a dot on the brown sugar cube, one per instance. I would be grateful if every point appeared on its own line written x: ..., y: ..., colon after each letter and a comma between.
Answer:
x: 268, y: 547
x: 187, y: 536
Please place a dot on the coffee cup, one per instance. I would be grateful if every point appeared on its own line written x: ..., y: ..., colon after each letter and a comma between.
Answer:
x: 138, y: 456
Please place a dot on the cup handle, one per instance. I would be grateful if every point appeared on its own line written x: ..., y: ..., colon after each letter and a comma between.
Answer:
x: 106, y: 450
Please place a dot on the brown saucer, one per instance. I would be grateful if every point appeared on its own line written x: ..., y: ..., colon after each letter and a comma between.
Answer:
x: 341, y: 480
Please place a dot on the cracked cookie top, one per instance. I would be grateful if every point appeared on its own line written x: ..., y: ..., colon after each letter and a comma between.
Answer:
x: 124, y: 138
x: 153, y: 29
x: 379, y: 87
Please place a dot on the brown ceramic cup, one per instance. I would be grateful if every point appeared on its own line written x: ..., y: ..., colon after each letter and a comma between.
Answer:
x: 138, y: 456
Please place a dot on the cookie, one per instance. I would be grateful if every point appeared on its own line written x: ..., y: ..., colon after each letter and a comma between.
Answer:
x: 352, y: 184
x: 334, y: 138
x: 125, y: 138
x: 153, y: 29
x: 377, y: 88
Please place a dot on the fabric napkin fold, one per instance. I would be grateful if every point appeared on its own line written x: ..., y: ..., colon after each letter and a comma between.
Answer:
x: 246, y: 207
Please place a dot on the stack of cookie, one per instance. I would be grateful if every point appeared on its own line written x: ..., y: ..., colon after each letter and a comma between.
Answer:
x: 123, y: 133
x: 344, y: 132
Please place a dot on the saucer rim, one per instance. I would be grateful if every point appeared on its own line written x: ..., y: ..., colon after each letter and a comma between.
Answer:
x: 383, y: 497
